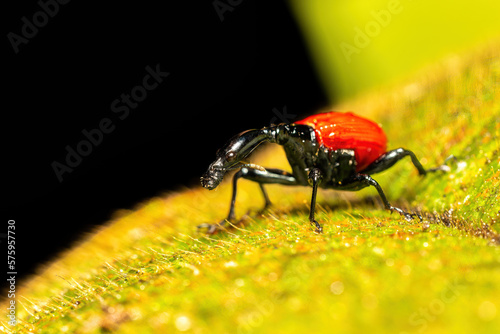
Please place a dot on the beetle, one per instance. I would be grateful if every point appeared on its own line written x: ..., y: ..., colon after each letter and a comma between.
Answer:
x: 332, y: 150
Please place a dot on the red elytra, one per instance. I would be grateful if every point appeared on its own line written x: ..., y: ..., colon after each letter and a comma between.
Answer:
x: 338, y: 130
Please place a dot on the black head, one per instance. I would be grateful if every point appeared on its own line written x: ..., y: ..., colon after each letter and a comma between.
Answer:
x: 230, y: 156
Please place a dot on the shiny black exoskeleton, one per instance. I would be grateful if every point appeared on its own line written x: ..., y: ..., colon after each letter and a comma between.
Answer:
x: 311, y: 164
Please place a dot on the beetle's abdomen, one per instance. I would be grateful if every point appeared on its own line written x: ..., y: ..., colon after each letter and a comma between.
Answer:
x: 337, y: 130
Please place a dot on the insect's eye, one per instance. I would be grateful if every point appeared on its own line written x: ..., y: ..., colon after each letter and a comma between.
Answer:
x: 230, y: 156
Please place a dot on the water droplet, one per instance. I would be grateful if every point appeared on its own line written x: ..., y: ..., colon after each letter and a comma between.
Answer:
x: 230, y: 264
x: 337, y: 287
x: 183, y: 323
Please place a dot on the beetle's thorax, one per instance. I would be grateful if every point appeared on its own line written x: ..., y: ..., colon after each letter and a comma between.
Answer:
x: 305, y: 153
x: 300, y: 145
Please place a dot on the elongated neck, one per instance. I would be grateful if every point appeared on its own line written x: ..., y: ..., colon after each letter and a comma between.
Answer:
x: 248, y: 141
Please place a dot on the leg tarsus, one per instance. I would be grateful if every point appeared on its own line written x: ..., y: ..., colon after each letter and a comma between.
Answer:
x: 444, y: 167
x: 213, y: 228
x: 408, y: 216
x: 367, y: 179
x: 319, y: 228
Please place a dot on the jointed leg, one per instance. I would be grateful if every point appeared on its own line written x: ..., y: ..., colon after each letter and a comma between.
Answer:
x: 270, y: 175
x: 315, y: 178
x: 266, y: 197
x: 390, y: 158
x: 443, y: 167
x: 231, y: 216
x: 369, y: 181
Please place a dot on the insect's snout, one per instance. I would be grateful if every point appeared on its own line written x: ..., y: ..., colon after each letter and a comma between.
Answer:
x: 212, y: 178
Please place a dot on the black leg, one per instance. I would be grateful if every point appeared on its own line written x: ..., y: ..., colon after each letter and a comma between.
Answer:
x: 231, y: 215
x: 269, y: 175
x: 369, y: 181
x: 443, y: 167
x: 266, y: 197
x: 390, y: 158
x: 246, y: 174
x: 315, y: 178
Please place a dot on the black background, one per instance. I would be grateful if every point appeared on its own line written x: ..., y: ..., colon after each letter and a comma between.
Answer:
x: 225, y: 77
